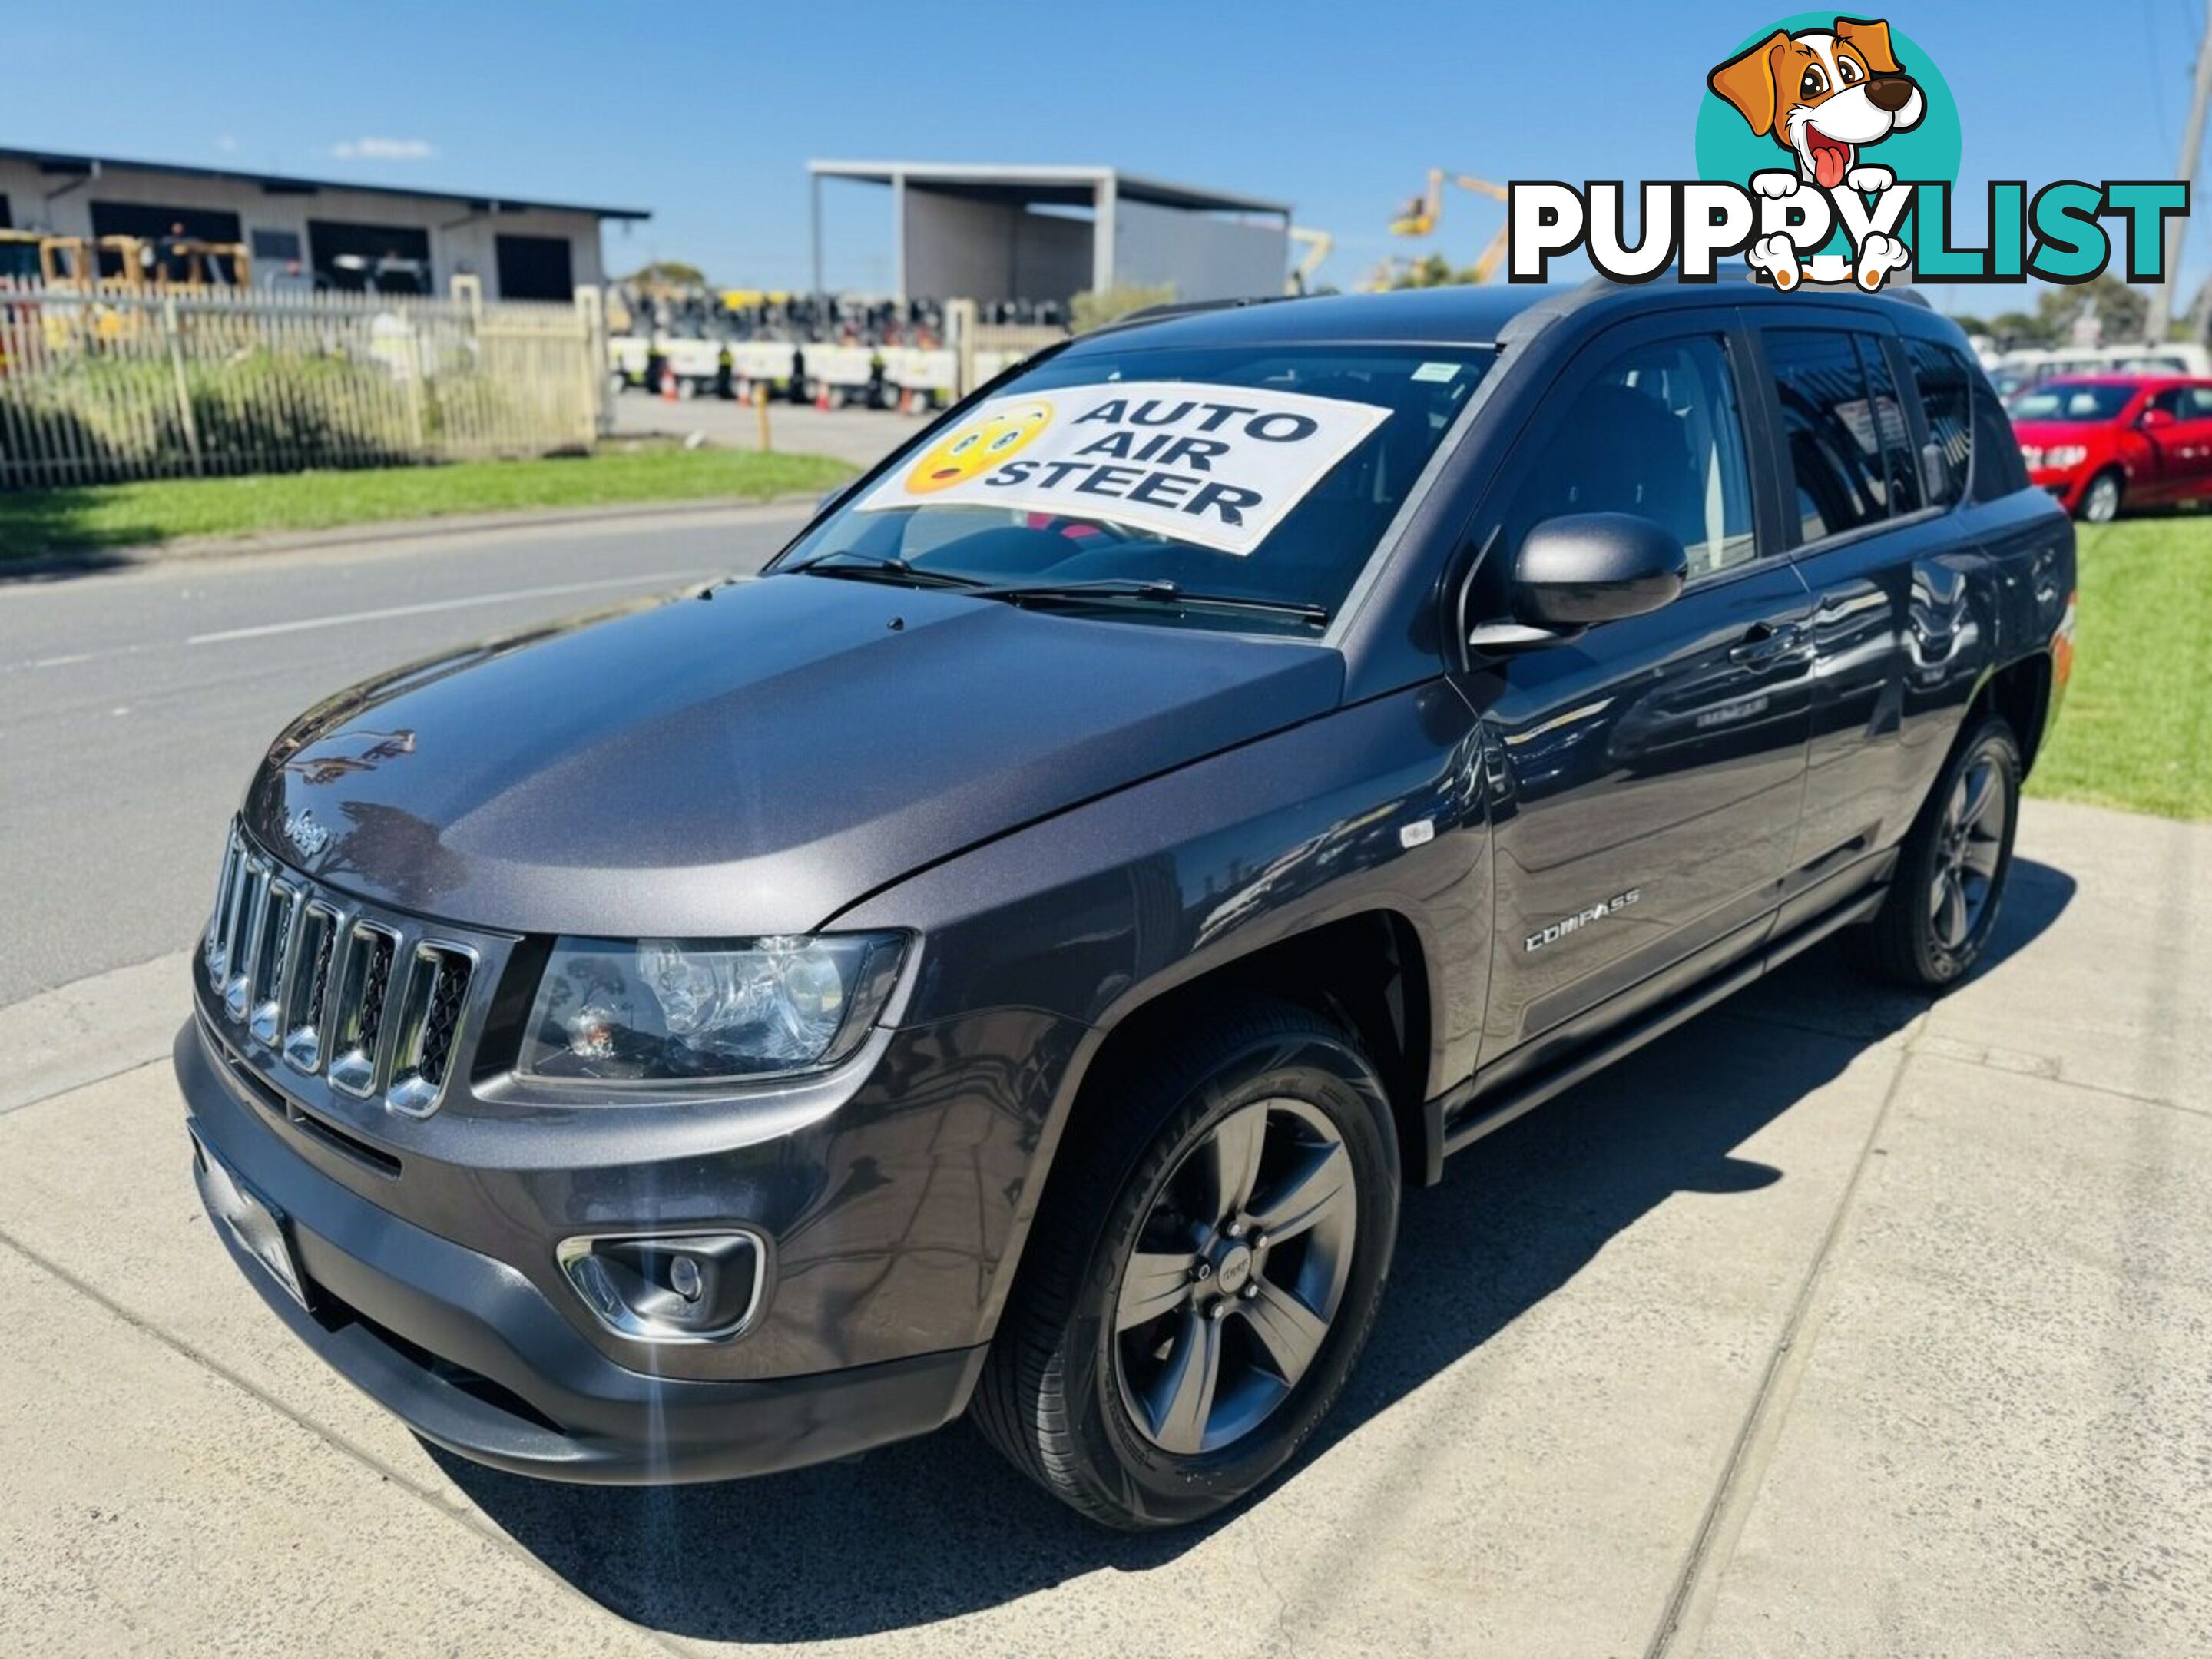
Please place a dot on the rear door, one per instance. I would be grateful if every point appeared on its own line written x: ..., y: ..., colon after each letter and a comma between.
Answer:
x: 1645, y: 775
x: 1876, y: 545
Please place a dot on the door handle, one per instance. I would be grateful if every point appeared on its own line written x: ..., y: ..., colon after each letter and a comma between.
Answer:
x: 1765, y: 642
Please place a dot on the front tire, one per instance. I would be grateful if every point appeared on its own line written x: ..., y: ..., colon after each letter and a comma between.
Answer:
x: 2100, y: 501
x: 1206, y: 1271
x: 1951, y: 874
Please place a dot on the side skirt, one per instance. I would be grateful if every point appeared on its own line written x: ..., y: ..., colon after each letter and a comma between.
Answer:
x: 1462, y: 1116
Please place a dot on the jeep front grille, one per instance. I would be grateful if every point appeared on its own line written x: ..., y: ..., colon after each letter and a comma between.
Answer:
x: 364, y: 1002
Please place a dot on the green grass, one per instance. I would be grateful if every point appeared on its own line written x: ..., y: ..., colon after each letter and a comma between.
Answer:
x: 2137, y: 724
x: 33, y: 522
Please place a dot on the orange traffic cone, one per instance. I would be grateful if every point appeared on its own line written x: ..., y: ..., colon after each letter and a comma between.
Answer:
x: 668, y: 386
x: 822, y: 396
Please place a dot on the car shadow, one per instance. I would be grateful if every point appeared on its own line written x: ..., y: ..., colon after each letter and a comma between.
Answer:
x: 937, y: 1528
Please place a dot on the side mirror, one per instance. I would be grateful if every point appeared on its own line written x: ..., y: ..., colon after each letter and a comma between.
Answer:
x: 2154, y: 417
x: 1585, y: 568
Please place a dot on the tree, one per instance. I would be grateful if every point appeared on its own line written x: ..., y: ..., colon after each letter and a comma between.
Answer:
x: 2122, y: 312
x: 668, y: 273
x: 1095, y: 307
x: 2013, y: 329
x: 1431, y: 270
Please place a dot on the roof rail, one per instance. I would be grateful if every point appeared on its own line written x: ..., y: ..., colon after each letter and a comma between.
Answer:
x: 1188, y: 307
x: 1738, y: 272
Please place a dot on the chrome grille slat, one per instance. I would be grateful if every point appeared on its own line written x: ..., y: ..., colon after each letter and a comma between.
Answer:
x: 306, y: 1000
x: 250, y: 918
x: 214, y: 950
x: 429, y: 1025
x: 272, y: 960
x: 371, y: 951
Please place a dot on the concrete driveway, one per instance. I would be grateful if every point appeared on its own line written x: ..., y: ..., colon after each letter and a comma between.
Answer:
x: 1832, y: 1324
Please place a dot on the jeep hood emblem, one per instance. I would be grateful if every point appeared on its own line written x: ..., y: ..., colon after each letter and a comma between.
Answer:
x: 304, y: 833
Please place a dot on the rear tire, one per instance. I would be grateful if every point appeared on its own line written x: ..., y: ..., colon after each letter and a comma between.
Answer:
x: 1951, y: 874
x: 1160, y: 1360
x: 2100, y: 501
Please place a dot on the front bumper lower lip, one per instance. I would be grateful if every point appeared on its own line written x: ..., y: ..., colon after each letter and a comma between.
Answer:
x: 467, y: 1352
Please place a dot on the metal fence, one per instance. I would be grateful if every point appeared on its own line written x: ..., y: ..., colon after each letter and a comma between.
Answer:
x: 982, y: 351
x: 122, y: 383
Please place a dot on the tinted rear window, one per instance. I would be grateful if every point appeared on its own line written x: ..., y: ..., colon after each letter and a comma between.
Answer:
x: 1829, y: 427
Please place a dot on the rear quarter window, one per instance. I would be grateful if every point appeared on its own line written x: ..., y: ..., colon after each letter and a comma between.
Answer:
x: 1945, y: 386
x: 1996, y: 468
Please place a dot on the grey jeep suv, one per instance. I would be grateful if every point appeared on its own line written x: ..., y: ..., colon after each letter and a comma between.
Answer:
x: 1010, y: 957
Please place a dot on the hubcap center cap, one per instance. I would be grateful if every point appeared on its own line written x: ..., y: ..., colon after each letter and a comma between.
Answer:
x: 1232, y: 1266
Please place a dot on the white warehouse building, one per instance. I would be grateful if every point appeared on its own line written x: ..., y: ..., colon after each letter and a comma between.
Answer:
x: 329, y: 234
x: 1042, y: 233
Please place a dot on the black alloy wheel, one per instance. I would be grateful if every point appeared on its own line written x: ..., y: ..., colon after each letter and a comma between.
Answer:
x: 1951, y: 874
x: 1205, y: 1269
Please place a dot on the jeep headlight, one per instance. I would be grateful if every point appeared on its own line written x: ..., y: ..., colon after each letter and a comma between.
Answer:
x: 677, y: 1011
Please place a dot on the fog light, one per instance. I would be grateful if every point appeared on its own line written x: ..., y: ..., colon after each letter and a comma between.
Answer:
x: 672, y: 1287
x: 685, y: 1276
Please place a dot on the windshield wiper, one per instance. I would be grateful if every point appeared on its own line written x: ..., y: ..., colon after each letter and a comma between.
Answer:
x: 1160, y: 592
x: 867, y: 568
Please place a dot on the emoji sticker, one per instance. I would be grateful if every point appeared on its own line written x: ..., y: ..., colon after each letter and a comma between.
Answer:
x: 973, y: 450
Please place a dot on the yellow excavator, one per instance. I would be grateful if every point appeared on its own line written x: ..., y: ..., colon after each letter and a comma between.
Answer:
x: 28, y: 257
x: 1420, y: 215
x: 178, y: 264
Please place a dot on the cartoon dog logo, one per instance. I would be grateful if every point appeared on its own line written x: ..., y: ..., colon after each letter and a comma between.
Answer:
x: 1826, y: 96
x: 973, y: 449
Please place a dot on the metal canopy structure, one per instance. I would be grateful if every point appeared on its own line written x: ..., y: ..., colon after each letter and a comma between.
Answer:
x: 53, y: 162
x: 1123, y: 206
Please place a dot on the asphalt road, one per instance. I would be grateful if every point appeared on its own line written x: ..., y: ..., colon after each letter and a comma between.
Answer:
x: 135, y: 702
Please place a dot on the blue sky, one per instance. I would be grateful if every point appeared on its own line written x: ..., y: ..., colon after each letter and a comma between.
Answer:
x: 707, y: 115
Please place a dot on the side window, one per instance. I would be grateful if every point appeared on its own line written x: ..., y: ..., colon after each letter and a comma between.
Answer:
x: 1892, y: 436
x: 2199, y: 407
x: 2173, y: 401
x: 1659, y: 434
x: 1941, y: 375
x: 1828, y: 428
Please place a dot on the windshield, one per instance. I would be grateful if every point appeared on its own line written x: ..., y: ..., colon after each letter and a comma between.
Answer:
x: 2061, y: 400
x: 1258, y: 473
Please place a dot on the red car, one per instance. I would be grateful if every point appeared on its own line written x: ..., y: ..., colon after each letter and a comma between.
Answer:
x: 2100, y: 442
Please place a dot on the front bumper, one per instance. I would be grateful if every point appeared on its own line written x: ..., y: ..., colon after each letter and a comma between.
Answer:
x: 2064, y: 484
x: 470, y: 1353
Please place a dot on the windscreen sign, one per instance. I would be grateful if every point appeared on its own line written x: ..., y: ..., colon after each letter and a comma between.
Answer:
x: 1219, y: 466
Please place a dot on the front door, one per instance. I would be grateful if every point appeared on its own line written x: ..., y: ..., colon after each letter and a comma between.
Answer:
x: 1646, y: 775
x: 2165, y: 473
